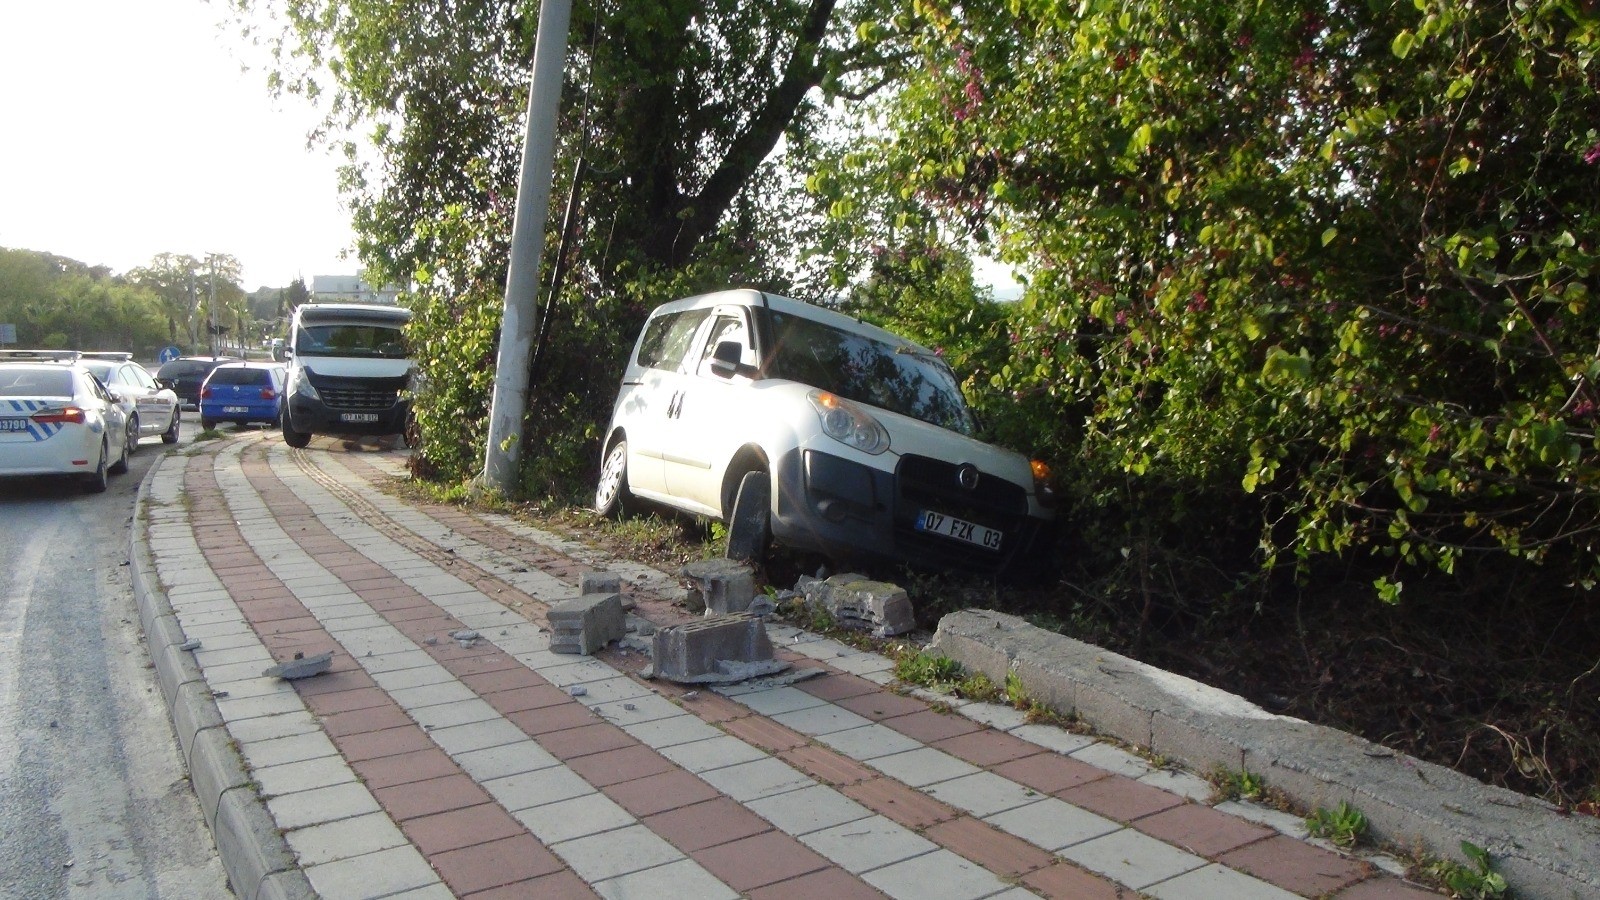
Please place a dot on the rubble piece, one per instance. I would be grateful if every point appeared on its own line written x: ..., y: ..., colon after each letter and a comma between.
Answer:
x: 599, y: 583
x: 301, y: 666
x: 854, y: 601
x: 719, y: 649
x: 584, y: 624
x: 190, y: 644
x: 724, y: 585
x: 762, y: 606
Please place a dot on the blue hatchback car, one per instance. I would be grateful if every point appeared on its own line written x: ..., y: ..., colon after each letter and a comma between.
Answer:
x: 242, y: 393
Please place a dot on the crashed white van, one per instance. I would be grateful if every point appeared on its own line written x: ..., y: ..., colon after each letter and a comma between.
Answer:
x: 800, y: 425
x: 349, y: 371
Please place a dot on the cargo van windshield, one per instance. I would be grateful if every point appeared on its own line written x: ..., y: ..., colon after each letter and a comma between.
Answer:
x: 365, y: 339
x: 861, y: 368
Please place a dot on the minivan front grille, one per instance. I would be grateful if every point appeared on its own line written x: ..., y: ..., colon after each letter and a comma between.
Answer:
x: 359, y: 393
x: 924, y: 483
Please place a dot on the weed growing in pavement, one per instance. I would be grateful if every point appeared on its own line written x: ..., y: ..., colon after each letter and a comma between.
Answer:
x: 1344, y: 825
x: 930, y: 670
x: 1478, y: 881
x: 1236, y: 785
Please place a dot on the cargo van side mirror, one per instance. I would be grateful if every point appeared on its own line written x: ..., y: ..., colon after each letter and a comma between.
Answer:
x: 725, y: 360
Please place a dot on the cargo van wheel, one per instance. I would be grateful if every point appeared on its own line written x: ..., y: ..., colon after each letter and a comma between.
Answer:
x: 750, y: 526
x: 610, y: 494
x: 295, y: 439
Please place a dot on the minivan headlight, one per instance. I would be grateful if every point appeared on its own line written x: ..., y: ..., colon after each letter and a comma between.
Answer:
x: 848, y: 423
x: 302, y: 385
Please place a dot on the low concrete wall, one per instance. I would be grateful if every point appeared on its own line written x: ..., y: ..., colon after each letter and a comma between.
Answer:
x: 1542, y: 853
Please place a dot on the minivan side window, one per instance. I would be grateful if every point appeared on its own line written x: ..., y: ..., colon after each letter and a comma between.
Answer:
x: 726, y: 327
x: 667, y: 338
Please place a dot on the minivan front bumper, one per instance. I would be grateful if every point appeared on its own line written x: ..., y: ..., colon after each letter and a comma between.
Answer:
x: 842, y: 508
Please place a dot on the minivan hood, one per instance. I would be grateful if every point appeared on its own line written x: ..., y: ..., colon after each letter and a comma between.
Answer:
x: 354, y: 367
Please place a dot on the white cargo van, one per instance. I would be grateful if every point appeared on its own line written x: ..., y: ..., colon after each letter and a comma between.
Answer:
x: 800, y: 425
x: 349, y: 371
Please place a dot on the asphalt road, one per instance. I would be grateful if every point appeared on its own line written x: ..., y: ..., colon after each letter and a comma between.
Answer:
x: 94, y: 798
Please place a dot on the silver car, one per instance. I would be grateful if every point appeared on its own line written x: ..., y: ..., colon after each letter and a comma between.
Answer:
x: 154, y: 409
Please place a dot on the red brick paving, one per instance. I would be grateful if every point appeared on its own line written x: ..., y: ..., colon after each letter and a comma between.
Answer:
x: 1202, y: 830
x: 1121, y: 798
x: 706, y: 824
x: 1005, y: 855
x: 928, y: 726
x: 1072, y: 883
x: 760, y: 860
x: 459, y: 828
x: 1050, y: 772
x: 1297, y: 866
x: 987, y: 747
x: 827, y: 884
x: 908, y: 806
x: 494, y: 864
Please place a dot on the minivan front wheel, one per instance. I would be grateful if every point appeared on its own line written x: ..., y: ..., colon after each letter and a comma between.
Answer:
x: 612, y: 489
x: 295, y: 439
x: 750, y: 525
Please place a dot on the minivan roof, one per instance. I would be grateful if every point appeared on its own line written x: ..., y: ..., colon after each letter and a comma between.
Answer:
x: 313, y: 312
x: 755, y: 299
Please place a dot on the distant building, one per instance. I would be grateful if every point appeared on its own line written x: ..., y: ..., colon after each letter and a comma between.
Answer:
x: 351, y: 289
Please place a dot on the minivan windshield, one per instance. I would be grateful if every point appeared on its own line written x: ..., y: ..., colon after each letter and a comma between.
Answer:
x: 350, y: 339
x: 866, y: 370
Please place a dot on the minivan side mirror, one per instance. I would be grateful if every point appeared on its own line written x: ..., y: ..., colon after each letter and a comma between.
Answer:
x: 725, y: 360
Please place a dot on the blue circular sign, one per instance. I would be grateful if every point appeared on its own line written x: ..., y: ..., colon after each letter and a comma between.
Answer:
x: 168, y: 354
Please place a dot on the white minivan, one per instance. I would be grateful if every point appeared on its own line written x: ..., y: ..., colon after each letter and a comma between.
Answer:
x: 349, y: 371
x: 797, y: 424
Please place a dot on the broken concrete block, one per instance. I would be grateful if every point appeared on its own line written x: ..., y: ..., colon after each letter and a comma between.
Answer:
x: 854, y: 601
x: 725, y: 585
x: 584, y: 624
x: 301, y: 666
x: 717, y: 649
x: 599, y: 583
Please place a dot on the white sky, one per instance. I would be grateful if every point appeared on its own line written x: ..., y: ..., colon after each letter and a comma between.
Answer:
x: 127, y: 129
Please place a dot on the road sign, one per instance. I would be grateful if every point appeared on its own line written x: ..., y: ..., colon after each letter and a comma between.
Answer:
x: 168, y: 354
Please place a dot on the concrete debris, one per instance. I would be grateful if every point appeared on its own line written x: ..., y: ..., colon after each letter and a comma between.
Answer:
x: 301, y: 666
x: 719, y: 649
x: 723, y: 585
x: 599, y: 583
x: 762, y: 606
x: 584, y: 624
x: 578, y: 690
x: 190, y: 644
x: 854, y: 601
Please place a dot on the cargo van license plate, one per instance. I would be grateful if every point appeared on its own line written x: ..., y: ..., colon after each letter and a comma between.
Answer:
x: 358, y: 417
x: 960, y: 529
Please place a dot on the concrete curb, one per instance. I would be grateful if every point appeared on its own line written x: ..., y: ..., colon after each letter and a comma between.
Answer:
x: 258, y: 860
x: 1406, y: 801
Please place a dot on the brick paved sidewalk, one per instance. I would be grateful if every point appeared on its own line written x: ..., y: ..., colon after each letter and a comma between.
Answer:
x: 418, y: 767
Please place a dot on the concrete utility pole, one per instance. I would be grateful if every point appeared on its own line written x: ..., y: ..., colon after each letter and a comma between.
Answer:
x: 520, y: 321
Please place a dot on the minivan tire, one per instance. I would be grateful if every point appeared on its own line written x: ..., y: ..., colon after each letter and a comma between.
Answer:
x: 295, y: 439
x: 610, y: 493
x: 750, y: 525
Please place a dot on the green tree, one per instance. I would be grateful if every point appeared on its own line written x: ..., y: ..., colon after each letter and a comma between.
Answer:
x: 677, y: 109
x: 1323, y: 265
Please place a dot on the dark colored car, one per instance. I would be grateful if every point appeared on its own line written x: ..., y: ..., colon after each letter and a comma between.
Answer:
x: 242, y: 393
x: 186, y: 373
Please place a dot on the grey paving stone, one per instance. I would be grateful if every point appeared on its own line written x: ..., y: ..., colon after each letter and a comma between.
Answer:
x: 604, y: 856
x: 1184, y: 784
x: 1052, y: 737
x: 681, y: 880
x: 823, y: 719
x: 639, y: 710
x: 357, y: 836
x: 578, y: 817
x: 922, y: 767
x: 1217, y: 882
x: 329, y: 804
x: 669, y: 731
x: 526, y: 790
x: 994, y: 715
x: 448, y: 715
x: 754, y: 780
x: 417, y: 676
x: 617, y: 688
x: 1114, y: 759
x: 809, y: 809
x: 714, y: 753
x: 939, y: 874
x: 866, y: 844
x: 1053, y: 824
x: 432, y: 694
x: 1132, y: 858
x: 372, y: 875
x: 280, y: 725
x: 290, y: 748
x: 869, y: 741
x: 476, y: 736
x: 779, y: 700
x: 983, y: 794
